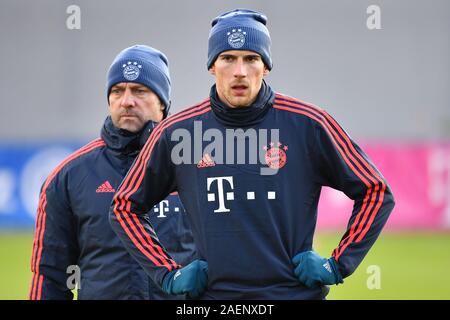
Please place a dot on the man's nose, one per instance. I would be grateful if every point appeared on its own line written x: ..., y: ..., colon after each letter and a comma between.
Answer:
x: 240, y: 69
x: 127, y: 99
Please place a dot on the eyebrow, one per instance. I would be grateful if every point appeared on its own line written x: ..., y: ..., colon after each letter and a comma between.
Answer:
x: 235, y: 56
x: 133, y: 86
x: 136, y: 86
x: 253, y: 56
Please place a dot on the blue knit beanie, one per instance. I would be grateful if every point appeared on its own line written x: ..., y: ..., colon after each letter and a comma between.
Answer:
x: 240, y: 29
x: 144, y: 65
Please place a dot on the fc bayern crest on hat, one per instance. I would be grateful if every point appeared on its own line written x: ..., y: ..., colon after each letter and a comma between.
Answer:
x: 236, y: 38
x: 131, y: 70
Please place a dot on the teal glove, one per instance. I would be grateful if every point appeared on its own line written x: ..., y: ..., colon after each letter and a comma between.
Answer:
x: 313, y: 271
x: 192, y: 279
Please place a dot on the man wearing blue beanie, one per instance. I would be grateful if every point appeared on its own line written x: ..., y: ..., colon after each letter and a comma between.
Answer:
x: 74, y: 239
x: 143, y: 65
x: 253, y: 222
x: 240, y: 29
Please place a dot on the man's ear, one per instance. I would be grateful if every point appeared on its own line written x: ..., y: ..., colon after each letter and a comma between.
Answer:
x: 162, y: 111
x: 212, y: 70
x: 266, y: 71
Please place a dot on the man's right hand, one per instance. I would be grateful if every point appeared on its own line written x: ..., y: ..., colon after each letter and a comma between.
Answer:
x: 191, y: 280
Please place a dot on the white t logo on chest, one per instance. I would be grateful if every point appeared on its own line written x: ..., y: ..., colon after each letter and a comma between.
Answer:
x: 221, y: 192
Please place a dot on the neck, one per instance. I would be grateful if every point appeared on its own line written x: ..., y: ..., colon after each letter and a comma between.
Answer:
x: 242, y: 116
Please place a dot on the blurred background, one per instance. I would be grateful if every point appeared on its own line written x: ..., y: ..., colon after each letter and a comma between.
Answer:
x: 383, y: 72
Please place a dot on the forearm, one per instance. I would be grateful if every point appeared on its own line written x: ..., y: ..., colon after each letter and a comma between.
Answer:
x: 366, y: 223
x: 140, y: 240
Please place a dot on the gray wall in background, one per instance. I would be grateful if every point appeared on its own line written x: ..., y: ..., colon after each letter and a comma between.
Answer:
x: 390, y: 84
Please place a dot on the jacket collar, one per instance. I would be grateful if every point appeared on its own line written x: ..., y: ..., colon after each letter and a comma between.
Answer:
x: 124, y: 141
x: 244, y: 116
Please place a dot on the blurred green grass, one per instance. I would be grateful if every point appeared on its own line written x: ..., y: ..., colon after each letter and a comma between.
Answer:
x: 15, y: 270
x: 412, y: 266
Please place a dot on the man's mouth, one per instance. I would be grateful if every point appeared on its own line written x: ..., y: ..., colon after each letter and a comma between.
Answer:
x: 239, y: 89
x: 128, y: 116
